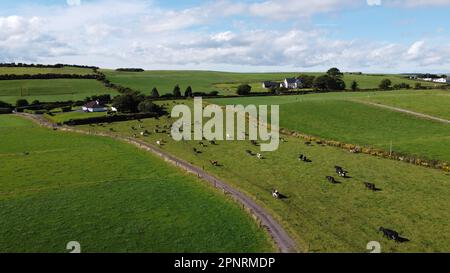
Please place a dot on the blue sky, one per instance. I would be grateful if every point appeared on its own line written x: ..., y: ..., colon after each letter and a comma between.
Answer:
x: 258, y: 35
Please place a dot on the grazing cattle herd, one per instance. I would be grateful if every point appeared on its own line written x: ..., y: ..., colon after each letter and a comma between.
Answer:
x: 340, y: 171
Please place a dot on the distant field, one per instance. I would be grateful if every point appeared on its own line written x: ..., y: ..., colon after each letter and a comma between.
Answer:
x: 226, y: 83
x: 365, y: 81
x: 37, y: 70
x: 51, y: 90
x: 200, y: 81
x: 110, y: 197
x: 434, y: 103
x: 336, y: 116
x: 368, y: 81
x: 323, y: 217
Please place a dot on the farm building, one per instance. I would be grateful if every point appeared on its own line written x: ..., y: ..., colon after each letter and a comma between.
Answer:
x: 94, y: 106
x: 441, y: 80
x: 270, y: 84
x: 292, y: 83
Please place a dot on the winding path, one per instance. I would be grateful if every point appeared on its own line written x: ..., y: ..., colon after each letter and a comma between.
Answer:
x: 420, y: 115
x: 282, y: 239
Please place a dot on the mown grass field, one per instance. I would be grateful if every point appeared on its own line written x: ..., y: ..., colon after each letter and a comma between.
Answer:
x: 43, y: 70
x: 225, y: 82
x: 324, y: 217
x: 110, y: 197
x: 338, y: 116
x: 51, y: 90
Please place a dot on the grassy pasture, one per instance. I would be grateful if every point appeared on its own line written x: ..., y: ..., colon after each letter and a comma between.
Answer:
x: 225, y: 82
x: 435, y: 102
x: 337, y: 116
x: 51, y: 90
x: 44, y: 70
x: 200, y: 81
x: 321, y: 216
x: 109, y: 196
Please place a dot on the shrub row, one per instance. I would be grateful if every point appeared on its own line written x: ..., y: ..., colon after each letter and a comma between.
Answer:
x: 46, y: 65
x: 7, y: 77
x: 5, y: 111
x: 431, y: 163
x: 130, y: 70
x: 110, y: 118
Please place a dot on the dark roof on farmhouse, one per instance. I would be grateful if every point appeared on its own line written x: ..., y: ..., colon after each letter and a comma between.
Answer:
x: 94, y: 104
x: 291, y: 80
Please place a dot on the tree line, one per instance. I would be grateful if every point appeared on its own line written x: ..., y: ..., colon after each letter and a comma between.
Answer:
x: 6, y: 77
x: 46, y: 65
x: 130, y: 70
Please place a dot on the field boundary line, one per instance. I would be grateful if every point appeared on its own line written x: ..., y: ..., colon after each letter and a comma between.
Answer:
x: 397, y: 109
x: 279, y: 235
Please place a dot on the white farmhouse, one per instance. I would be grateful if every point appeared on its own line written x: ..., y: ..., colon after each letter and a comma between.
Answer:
x: 292, y: 83
x: 94, y: 106
x: 440, y: 80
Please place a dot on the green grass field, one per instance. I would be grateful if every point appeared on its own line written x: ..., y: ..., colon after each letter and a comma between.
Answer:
x: 225, y: 82
x: 200, y: 81
x: 324, y: 217
x: 38, y: 70
x: 336, y: 116
x: 434, y: 103
x: 63, y: 117
x: 109, y: 196
x: 51, y: 90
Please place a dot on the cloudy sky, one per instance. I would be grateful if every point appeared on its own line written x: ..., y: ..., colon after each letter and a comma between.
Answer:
x: 254, y: 35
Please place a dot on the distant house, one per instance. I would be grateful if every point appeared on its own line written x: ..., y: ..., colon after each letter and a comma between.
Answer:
x: 441, y: 80
x: 94, y: 106
x: 292, y: 83
x: 269, y: 84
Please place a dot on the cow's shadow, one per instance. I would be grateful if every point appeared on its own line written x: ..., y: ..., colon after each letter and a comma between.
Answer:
x: 402, y: 240
x: 282, y: 196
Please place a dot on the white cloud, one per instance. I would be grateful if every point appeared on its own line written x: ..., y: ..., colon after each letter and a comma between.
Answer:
x: 284, y: 9
x: 73, y: 2
x: 415, y: 50
x: 374, y: 2
x: 416, y: 3
x: 223, y: 36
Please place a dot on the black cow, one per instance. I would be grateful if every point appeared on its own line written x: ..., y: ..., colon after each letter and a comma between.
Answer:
x: 390, y: 234
x: 331, y: 180
x: 340, y: 171
x: 370, y: 186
